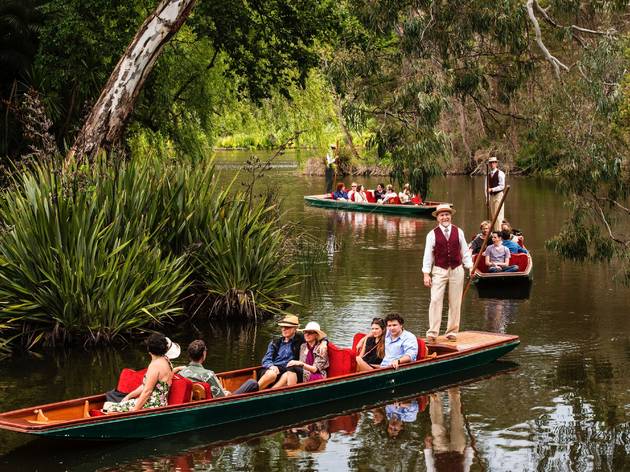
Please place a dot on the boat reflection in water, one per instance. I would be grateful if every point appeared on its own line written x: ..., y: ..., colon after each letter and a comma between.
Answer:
x: 499, y: 314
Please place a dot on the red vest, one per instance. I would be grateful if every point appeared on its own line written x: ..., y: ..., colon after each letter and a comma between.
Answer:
x: 447, y: 254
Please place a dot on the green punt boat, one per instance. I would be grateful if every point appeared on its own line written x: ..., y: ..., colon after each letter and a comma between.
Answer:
x: 324, y: 201
x: 70, y: 419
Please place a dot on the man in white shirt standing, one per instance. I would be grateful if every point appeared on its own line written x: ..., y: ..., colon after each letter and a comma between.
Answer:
x: 445, y: 256
x: 495, y: 184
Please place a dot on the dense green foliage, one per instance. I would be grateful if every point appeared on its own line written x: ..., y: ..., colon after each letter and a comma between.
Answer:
x: 103, y: 252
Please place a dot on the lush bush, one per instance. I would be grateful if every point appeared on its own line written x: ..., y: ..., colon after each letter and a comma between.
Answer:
x: 100, y: 252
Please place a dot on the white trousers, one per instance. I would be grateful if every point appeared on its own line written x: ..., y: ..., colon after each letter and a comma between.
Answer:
x: 455, y: 280
x: 494, y: 206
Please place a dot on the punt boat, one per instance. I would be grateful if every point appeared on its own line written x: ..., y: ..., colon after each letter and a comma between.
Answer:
x: 326, y: 201
x: 72, y: 419
x: 505, y: 284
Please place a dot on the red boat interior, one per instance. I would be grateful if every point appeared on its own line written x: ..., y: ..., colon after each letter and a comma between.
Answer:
x: 522, y: 260
x: 183, y: 391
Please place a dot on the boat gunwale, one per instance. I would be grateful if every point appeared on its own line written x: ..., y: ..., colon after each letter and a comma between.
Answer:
x: 429, y: 205
x: 129, y: 416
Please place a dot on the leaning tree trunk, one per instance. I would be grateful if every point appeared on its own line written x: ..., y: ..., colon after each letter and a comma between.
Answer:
x: 108, y: 117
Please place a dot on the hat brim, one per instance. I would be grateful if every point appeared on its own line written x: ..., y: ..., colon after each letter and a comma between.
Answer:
x: 320, y: 334
x: 173, y: 351
x: 287, y: 325
x: 442, y: 210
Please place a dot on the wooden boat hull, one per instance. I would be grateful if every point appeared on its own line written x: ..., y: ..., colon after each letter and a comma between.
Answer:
x: 252, y: 407
x: 324, y: 201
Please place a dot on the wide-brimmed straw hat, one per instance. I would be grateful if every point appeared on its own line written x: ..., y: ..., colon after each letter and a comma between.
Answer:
x: 290, y: 321
x: 314, y: 326
x: 493, y: 159
x: 443, y: 207
x: 174, y: 350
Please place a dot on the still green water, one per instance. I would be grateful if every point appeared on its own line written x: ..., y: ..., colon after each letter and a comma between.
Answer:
x: 561, y: 401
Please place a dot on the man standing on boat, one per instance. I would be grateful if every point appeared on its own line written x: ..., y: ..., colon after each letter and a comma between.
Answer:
x: 495, y: 184
x: 445, y: 256
x: 331, y: 158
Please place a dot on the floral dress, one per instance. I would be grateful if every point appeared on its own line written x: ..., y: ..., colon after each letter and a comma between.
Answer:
x: 158, y: 398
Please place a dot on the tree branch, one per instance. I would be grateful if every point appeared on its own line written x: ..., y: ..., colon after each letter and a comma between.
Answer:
x: 608, y: 228
x: 194, y: 77
x: 555, y: 62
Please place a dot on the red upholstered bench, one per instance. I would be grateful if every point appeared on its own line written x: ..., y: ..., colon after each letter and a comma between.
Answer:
x: 341, y: 361
x: 416, y: 200
x: 521, y: 260
x: 395, y: 200
x: 206, y: 388
x: 370, y: 196
x: 180, y: 391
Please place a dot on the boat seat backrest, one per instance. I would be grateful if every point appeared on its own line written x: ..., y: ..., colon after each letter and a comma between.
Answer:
x: 129, y: 380
x: 180, y: 391
x: 370, y: 196
x: 355, y: 340
x: 519, y: 259
x: 417, y: 199
x: 201, y: 391
x: 395, y: 200
x: 422, y: 349
x: 341, y: 361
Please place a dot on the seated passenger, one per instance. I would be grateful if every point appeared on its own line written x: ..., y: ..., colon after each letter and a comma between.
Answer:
x: 406, y: 195
x: 379, y: 192
x: 475, y: 244
x: 514, y: 248
x: 498, y: 256
x: 312, y: 363
x: 360, y: 196
x: 282, y: 350
x: 153, y: 392
x: 196, y: 372
x: 352, y: 192
x: 515, y: 235
x: 389, y: 195
x: 401, y: 346
x: 340, y: 193
x: 371, y: 349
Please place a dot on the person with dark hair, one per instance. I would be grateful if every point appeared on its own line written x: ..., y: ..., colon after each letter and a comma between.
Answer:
x: 379, y: 193
x: 498, y: 256
x: 153, y: 392
x: 340, y: 193
x: 371, y: 349
x: 390, y: 196
x: 196, y: 372
x: 495, y: 185
x: 509, y: 243
x: 401, y: 346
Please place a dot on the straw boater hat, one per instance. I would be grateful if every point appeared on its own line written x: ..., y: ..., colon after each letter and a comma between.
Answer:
x: 173, y: 349
x: 290, y: 321
x: 492, y: 159
x: 443, y: 207
x: 314, y: 326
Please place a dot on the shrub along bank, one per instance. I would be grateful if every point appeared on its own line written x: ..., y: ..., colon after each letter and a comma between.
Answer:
x: 99, y: 253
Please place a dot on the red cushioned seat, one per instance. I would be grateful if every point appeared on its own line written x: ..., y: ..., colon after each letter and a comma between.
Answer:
x: 520, y: 260
x: 395, y: 200
x: 129, y: 380
x: 180, y: 391
x: 370, y: 196
x: 342, y: 361
x: 96, y: 413
x: 422, y: 349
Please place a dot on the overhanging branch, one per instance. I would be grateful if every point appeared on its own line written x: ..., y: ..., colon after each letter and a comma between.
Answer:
x: 555, y: 62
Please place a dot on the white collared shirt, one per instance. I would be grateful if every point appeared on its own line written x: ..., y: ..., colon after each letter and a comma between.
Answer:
x: 428, y: 259
x: 501, y: 186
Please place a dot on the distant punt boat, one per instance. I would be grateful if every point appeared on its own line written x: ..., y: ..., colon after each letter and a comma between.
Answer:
x: 73, y: 419
x: 325, y: 201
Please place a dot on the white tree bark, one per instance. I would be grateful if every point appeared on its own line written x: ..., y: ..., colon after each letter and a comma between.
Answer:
x: 552, y: 59
x: 108, y: 117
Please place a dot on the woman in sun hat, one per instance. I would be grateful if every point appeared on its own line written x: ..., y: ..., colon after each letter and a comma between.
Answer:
x: 312, y: 363
x: 153, y: 392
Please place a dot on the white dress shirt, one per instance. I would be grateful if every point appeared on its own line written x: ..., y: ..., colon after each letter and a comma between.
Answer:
x: 427, y: 261
x: 501, y: 186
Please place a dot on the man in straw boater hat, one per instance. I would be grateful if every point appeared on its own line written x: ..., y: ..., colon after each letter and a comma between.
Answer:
x: 282, y: 350
x: 445, y: 256
x: 495, y: 184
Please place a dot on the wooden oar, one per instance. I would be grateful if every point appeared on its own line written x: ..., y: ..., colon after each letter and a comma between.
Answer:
x: 488, y: 215
x: 485, y: 241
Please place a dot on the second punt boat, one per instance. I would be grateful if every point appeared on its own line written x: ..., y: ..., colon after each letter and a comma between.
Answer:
x: 325, y: 201
x: 71, y: 419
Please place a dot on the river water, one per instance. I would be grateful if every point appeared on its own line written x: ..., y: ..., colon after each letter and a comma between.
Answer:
x: 560, y: 401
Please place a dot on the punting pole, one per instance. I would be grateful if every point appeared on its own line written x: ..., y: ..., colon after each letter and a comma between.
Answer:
x: 485, y: 241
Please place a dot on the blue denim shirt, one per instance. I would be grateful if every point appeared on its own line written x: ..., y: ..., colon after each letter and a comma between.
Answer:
x: 284, y: 355
x: 405, y: 344
x: 514, y: 248
x: 340, y: 194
